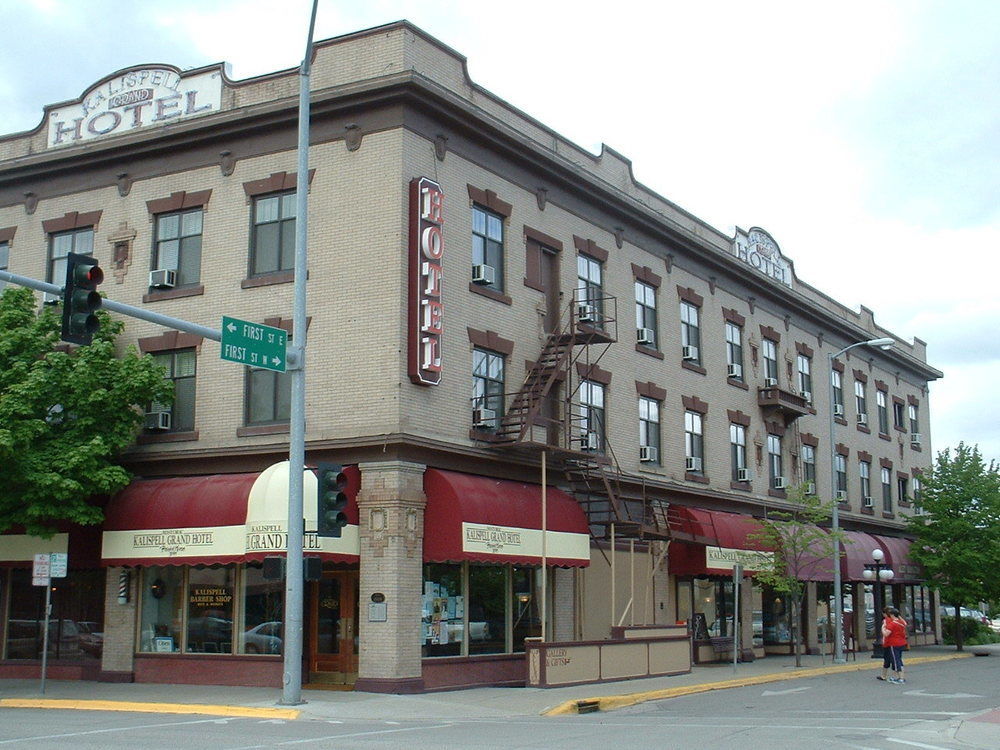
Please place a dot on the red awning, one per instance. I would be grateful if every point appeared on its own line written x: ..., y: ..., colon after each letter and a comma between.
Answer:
x: 897, y: 555
x: 812, y: 565
x: 721, y: 531
x: 223, y: 518
x: 857, y: 548
x: 492, y: 520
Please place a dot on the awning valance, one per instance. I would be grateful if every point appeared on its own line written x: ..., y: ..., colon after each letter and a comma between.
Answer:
x: 222, y: 518
x: 480, y: 519
x: 732, y: 542
x: 897, y: 555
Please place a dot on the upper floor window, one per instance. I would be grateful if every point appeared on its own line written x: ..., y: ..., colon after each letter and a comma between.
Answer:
x: 694, y: 441
x: 273, y: 247
x: 690, y: 332
x: 738, y: 452
x: 178, y: 245
x: 590, y: 282
x: 837, y: 382
x: 487, y: 248
x: 645, y: 314
x: 487, y: 388
x: 887, y: 490
x: 840, y: 470
x: 864, y: 472
x: 179, y: 366
x: 649, y: 429
x: 805, y: 376
x: 914, y: 420
x: 268, y: 397
x: 917, y: 496
x: 881, y: 403
x: 592, y: 424
x: 61, y: 244
x: 774, y: 462
x: 860, y: 402
x: 769, y: 351
x: 902, y: 487
x: 897, y: 415
x: 734, y: 350
x: 809, y: 467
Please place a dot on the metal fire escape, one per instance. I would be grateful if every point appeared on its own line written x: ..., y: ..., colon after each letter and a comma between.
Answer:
x: 545, y: 414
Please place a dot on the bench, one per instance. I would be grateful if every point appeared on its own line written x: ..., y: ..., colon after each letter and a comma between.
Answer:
x: 721, y: 645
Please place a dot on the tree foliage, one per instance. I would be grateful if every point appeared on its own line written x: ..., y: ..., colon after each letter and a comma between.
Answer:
x: 65, y: 416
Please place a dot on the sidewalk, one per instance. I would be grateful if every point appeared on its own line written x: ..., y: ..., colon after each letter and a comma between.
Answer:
x: 459, y: 704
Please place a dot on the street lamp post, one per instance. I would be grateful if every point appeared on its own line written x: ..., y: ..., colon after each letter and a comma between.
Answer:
x: 880, y: 573
x: 838, y: 597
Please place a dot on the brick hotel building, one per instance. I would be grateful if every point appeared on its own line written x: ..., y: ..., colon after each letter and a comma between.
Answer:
x: 491, y: 310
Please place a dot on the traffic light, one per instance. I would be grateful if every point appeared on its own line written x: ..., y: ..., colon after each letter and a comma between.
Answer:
x: 81, y: 299
x: 331, y: 499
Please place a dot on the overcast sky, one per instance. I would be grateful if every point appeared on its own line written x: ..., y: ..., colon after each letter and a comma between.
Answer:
x: 864, y: 136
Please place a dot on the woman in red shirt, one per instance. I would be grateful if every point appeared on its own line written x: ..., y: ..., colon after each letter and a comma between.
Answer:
x: 893, y: 643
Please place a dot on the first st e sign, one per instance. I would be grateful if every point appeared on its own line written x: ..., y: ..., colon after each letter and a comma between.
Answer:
x: 253, y: 344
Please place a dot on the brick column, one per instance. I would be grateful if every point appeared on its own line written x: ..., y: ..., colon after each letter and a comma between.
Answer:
x: 118, y: 654
x: 391, y: 506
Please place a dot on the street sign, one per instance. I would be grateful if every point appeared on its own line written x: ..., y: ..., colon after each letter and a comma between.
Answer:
x: 253, y: 344
x: 59, y: 561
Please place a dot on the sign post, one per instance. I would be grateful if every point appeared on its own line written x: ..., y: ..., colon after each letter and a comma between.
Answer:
x: 45, y: 567
x: 253, y: 344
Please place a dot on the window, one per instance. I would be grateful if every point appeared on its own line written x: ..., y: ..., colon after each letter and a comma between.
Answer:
x: 809, y: 466
x: 886, y: 489
x: 734, y: 350
x: 805, y: 376
x: 917, y: 494
x: 769, y: 350
x: 860, y: 402
x: 902, y: 487
x: 883, y: 412
x: 268, y: 396
x: 4, y: 261
x: 649, y: 425
x: 273, y: 246
x: 774, y: 461
x: 840, y: 467
x: 865, y: 472
x: 487, y: 245
x: 694, y: 442
x: 738, y: 452
x: 178, y: 244
x: 645, y: 314
x: 61, y: 244
x: 487, y: 388
x: 263, y: 612
x: 837, y: 381
x: 690, y: 333
x: 590, y: 284
x: 914, y: 420
x: 592, y: 424
x: 179, y: 367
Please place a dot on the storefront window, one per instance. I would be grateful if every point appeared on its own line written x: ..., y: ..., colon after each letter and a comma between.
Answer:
x: 210, y: 610
x: 777, y: 619
x: 263, y: 610
x: 713, y: 601
x: 527, y: 616
x: 443, y: 612
x: 487, y: 609
x: 75, y: 623
x: 162, y: 604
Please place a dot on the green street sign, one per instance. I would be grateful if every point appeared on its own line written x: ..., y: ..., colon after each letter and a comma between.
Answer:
x: 253, y: 344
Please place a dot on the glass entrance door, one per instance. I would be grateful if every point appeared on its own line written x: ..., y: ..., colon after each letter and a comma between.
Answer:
x: 333, y: 621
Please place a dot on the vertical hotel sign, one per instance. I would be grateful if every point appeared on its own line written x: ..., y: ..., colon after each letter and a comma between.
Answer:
x: 426, y: 253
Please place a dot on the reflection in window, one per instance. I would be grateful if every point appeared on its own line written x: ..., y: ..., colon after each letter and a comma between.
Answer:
x: 162, y: 602
x: 263, y: 611
x: 178, y: 245
x: 273, y: 234
x: 210, y: 610
x: 179, y: 367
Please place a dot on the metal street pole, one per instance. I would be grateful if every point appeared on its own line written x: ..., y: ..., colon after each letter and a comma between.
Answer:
x: 292, y: 677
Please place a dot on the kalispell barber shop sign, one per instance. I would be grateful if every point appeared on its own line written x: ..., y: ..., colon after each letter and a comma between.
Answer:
x: 134, y: 99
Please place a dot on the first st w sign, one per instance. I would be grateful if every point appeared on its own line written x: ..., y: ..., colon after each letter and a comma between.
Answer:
x: 253, y: 344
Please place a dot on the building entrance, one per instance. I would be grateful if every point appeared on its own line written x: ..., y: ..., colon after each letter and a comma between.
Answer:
x: 333, y: 624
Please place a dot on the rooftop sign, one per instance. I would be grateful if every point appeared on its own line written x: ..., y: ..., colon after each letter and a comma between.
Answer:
x: 758, y: 250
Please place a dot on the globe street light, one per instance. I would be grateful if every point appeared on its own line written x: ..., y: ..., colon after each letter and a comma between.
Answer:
x: 879, y: 573
x: 838, y: 601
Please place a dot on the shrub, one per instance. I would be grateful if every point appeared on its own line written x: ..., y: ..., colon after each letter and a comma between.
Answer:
x: 974, y: 633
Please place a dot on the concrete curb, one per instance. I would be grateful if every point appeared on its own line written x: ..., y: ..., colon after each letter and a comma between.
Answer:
x: 153, y: 708
x: 611, y: 702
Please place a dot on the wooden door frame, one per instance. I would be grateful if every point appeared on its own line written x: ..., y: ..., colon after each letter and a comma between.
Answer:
x: 345, y: 662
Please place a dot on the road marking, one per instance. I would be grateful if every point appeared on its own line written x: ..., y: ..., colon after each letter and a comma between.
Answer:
x: 916, y: 744
x: 892, y: 713
x: 342, y: 736
x: 152, y: 708
x: 786, y: 692
x: 923, y: 694
x: 129, y: 728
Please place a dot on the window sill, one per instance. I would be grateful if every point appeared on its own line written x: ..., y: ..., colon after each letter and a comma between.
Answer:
x: 263, y: 429
x: 649, y: 351
x: 868, y: 511
x: 268, y: 279
x: 537, y: 286
x: 840, y: 421
x: 888, y: 515
x: 742, y: 486
x: 490, y: 294
x: 483, y: 436
x: 771, y: 492
x: 904, y: 503
x: 916, y: 448
x: 692, y: 477
x: 738, y: 384
x: 148, y: 438
x: 862, y: 428
x: 693, y: 367
x: 175, y: 293
x: 884, y: 436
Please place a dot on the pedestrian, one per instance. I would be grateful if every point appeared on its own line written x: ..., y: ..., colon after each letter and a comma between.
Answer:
x: 893, y: 643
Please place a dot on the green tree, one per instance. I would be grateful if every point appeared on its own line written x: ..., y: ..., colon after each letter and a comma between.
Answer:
x: 65, y: 415
x: 958, y: 536
x: 802, y: 549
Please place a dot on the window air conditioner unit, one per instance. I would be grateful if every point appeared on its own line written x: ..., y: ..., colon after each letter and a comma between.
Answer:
x: 838, y: 410
x: 163, y: 278
x: 770, y: 382
x: 648, y: 454
x: 588, y: 441
x: 915, y: 438
x: 743, y: 475
x: 807, y: 395
x: 483, y: 274
x: 868, y: 501
x: 484, y: 417
x: 51, y: 299
x: 735, y: 371
x: 810, y: 488
x: 780, y: 483
x: 157, y: 420
x: 689, y: 352
x: 841, y: 495
x: 862, y: 419
x: 586, y: 313
x: 645, y: 336
x: 692, y: 463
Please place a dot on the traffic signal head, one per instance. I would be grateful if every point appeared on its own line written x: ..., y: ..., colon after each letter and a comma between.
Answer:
x: 331, y: 499
x: 81, y: 299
